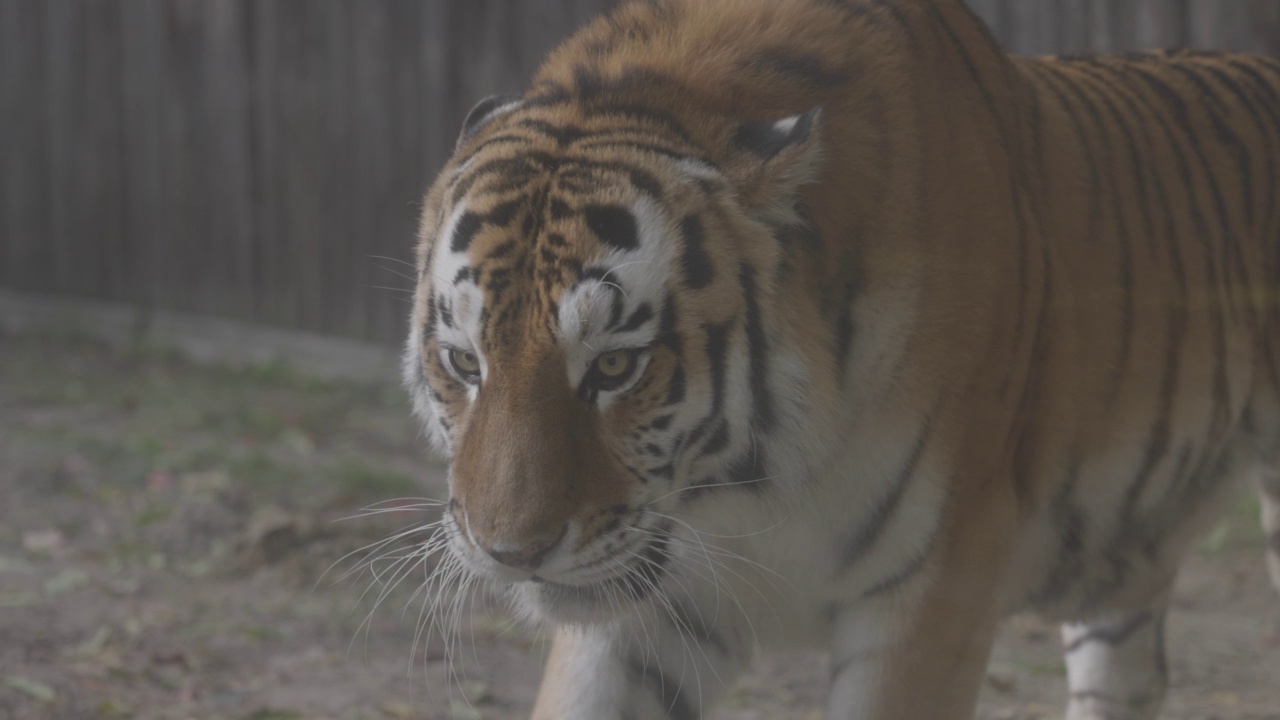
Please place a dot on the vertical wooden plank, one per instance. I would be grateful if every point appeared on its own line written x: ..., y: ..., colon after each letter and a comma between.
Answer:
x: 145, y: 208
x: 101, y: 247
x: 182, y: 252
x: 25, y: 226
x: 373, y: 118
x: 1072, y: 23
x: 1146, y: 23
x: 83, y: 118
x: 290, y: 112
x: 60, y: 156
x: 344, y: 191
x: 224, y: 267
x: 1264, y: 18
x: 394, y: 48
x: 1122, y: 15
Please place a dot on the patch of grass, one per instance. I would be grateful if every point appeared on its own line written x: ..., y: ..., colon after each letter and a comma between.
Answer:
x: 367, y: 482
x: 152, y: 515
x: 1238, y: 528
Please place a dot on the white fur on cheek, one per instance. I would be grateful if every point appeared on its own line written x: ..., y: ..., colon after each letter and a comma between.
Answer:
x: 465, y: 299
x: 424, y: 407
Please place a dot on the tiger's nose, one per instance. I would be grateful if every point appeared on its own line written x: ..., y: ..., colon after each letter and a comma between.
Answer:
x: 525, y: 557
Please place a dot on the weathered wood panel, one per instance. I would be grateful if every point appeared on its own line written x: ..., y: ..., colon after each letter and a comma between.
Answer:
x: 258, y: 160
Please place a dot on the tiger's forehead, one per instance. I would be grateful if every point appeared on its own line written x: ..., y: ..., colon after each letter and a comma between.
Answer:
x: 584, y: 264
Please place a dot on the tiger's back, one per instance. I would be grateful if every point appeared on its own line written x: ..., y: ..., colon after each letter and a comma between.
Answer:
x: 839, y: 293
x: 1159, y: 180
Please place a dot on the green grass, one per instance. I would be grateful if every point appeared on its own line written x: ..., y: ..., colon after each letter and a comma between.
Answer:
x: 143, y: 416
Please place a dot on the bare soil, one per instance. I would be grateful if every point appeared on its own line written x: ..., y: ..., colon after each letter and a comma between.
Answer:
x: 164, y: 529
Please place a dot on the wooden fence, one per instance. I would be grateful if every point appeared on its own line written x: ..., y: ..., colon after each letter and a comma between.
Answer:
x: 255, y: 159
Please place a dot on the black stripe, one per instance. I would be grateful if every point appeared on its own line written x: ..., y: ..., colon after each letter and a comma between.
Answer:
x: 464, y: 274
x: 562, y: 134
x: 697, y: 267
x: 717, y: 348
x: 1068, y: 564
x: 1086, y: 100
x: 1220, y: 390
x: 667, y: 334
x: 987, y: 98
x: 646, y: 147
x: 763, y: 417
x: 446, y: 312
x: 559, y: 209
x: 1266, y: 127
x: 1181, y: 113
x: 749, y: 469
x: 641, y: 315
x: 907, y: 571
x: 674, y: 702
x: 1226, y: 135
x: 1230, y: 240
x: 514, y: 171
x: 504, y: 138
x: 614, y: 225
x: 663, y: 472
x: 805, y: 68
x: 718, y: 441
x: 642, y: 179
x: 616, y: 306
x: 856, y: 547
x: 693, y: 625
x: 465, y: 230
x: 845, y: 328
x: 640, y: 112
x: 675, y: 391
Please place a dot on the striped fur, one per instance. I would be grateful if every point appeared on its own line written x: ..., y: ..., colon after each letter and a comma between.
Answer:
x: 825, y: 321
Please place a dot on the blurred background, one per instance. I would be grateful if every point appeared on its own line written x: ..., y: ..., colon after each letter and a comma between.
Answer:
x: 206, y: 211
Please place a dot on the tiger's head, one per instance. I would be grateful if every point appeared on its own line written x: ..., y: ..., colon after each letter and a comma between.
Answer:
x: 590, y: 334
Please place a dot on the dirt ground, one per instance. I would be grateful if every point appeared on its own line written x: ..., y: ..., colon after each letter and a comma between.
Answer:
x: 164, y: 529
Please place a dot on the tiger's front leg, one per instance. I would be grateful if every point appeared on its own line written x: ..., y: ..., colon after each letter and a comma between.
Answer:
x: 891, y: 664
x: 634, y: 671
x: 914, y: 645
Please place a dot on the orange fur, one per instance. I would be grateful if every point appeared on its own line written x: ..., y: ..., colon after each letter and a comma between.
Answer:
x: 1056, y: 276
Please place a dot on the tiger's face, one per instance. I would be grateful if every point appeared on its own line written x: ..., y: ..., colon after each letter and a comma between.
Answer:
x: 587, y: 344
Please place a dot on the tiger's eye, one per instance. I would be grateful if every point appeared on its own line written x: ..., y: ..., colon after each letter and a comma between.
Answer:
x: 614, y: 364
x: 466, y: 363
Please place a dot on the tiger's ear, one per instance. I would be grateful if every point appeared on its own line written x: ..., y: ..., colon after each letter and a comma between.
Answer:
x: 774, y: 159
x: 485, y: 111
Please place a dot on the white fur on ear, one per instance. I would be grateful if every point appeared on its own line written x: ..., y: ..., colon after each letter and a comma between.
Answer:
x: 776, y: 159
x: 485, y: 112
x: 767, y: 139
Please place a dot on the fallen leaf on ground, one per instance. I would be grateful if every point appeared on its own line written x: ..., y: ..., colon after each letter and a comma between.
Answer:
x: 397, y: 709
x: 65, y: 581
x: 39, y: 691
x: 18, y: 599
x: 274, y: 715
x: 43, y: 542
x: 14, y: 565
x: 94, y: 645
x: 461, y: 711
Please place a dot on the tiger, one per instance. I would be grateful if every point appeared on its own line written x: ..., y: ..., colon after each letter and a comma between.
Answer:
x: 759, y: 324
